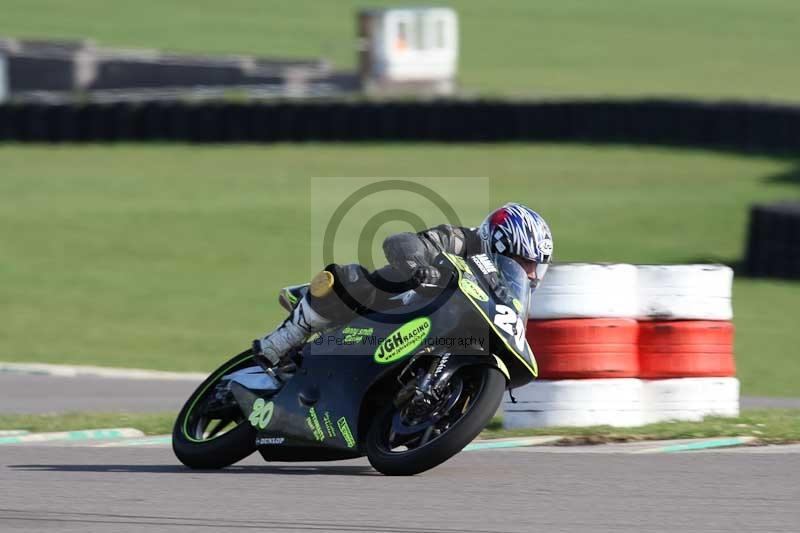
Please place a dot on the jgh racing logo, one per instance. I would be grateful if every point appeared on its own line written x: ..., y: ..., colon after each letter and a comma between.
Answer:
x: 403, y: 340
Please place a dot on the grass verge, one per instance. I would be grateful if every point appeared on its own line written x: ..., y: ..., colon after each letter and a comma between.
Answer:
x: 709, y: 48
x: 170, y: 256
x: 149, y: 423
x: 770, y: 426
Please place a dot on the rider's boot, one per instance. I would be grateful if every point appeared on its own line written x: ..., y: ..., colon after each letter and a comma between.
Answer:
x: 303, y: 322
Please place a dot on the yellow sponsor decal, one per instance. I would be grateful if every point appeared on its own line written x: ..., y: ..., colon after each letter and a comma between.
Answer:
x: 344, y: 429
x: 403, y: 340
x: 471, y: 289
x: 326, y: 418
x: 312, y: 421
x: 261, y: 414
x: 459, y: 262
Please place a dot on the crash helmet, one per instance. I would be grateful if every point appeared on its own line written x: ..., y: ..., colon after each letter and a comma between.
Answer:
x: 521, y: 233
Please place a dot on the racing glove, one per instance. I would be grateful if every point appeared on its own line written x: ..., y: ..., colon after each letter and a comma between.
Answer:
x: 427, y: 275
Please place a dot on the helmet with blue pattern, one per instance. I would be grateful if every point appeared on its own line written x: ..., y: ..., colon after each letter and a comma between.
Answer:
x: 521, y: 233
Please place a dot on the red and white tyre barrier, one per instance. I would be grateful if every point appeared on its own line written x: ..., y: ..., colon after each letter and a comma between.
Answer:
x: 684, y: 292
x: 586, y: 290
x: 619, y: 402
x: 570, y: 402
x: 589, y: 347
x: 686, y: 349
x: 689, y: 398
x: 585, y: 348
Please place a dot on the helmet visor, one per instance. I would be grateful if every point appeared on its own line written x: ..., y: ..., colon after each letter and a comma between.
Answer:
x: 535, y: 271
x: 516, y: 282
x: 538, y: 274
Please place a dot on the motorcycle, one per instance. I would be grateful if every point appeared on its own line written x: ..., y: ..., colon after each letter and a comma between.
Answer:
x: 408, y: 385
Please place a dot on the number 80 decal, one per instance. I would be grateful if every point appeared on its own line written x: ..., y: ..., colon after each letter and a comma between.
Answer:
x: 508, y: 320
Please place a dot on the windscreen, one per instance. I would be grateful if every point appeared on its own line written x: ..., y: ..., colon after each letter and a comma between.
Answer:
x: 513, y: 277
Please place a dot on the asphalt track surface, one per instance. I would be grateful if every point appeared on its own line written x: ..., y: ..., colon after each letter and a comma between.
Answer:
x: 77, y: 488
x: 82, y: 489
x: 23, y: 393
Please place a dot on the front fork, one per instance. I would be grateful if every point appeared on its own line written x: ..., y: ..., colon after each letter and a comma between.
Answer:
x: 427, y: 388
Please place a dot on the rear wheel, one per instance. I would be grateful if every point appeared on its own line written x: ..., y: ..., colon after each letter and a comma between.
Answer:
x: 408, y: 439
x: 211, y: 431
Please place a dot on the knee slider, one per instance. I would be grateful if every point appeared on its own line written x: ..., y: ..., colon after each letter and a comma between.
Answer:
x: 322, y: 284
x: 341, y: 291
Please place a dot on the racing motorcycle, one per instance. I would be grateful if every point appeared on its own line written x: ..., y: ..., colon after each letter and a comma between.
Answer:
x: 408, y: 385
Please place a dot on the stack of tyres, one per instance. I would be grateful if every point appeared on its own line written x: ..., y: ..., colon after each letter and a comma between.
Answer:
x: 773, y: 243
x: 584, y: 334
x: 652, y: 121
x: 576, y: 402
x: 689, y: 399
x: 626, y: 345
x: 587, y: 348
x: 686, y: 342
x: 586, y: 290
x: 686, y: 349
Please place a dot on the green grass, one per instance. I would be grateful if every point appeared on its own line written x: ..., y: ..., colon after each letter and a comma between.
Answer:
x: 149, y: 423
x: 171, y: 257
x: 768, y: 425
x: 705, y: 48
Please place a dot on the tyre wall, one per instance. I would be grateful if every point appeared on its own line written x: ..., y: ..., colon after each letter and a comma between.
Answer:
x: 739, y: 126
x: 773, y: 241
x: 627, y: 345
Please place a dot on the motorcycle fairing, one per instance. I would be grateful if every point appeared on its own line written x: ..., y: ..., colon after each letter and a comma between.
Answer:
x: 315, y: 416
x: 516, y: 345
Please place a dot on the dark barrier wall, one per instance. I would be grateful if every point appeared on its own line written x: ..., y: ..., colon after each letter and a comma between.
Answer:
x: 773, y: 242
x: 739, y: 126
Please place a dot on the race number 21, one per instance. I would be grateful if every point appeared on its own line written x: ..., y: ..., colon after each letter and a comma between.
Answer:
x: 508, y: 320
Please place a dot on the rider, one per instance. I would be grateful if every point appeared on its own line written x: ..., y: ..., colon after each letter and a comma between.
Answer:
x: 513, y: 230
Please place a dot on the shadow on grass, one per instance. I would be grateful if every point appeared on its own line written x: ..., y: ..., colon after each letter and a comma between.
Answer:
x: 788, y: 177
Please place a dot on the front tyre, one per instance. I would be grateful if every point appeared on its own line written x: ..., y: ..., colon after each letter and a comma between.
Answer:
x: 211, y: 431
x: 395, y: 447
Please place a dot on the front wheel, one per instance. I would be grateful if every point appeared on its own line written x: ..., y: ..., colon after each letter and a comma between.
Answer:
x: 211, y: 431
x: 403, y: 441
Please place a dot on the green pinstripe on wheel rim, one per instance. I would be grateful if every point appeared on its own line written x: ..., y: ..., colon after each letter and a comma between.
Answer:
x: 201, y: 394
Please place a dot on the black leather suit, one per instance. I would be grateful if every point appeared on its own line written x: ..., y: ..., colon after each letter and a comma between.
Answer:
x: 407, y: 254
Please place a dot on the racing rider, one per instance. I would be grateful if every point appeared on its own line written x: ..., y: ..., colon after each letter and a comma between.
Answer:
x: 512, y: 230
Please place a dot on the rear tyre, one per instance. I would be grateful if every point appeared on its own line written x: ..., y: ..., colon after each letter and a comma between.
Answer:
x: 212, y: 432
x: 480, y: 395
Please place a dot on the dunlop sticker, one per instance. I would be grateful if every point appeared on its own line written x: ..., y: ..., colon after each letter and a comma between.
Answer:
x: 403, y: 340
